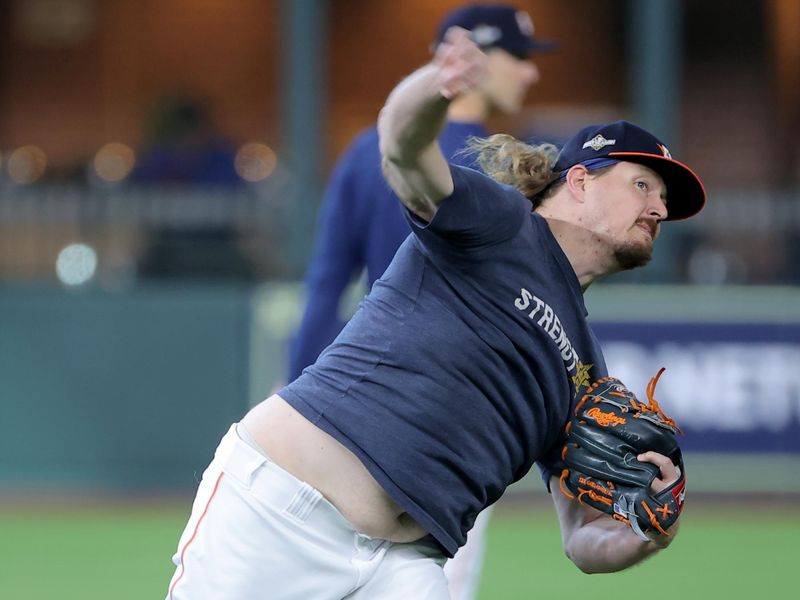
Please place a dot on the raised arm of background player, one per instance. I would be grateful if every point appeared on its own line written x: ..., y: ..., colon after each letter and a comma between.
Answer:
x: 419, y: 174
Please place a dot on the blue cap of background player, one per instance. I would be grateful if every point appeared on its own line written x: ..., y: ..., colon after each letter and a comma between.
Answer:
x: 496, y: 26
x: 601, y: 145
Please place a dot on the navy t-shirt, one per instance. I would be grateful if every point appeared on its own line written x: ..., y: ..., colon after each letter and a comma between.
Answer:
x: 458, y: 371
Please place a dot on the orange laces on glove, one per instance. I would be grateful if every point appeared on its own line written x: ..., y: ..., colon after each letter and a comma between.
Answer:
x: 652, y: 404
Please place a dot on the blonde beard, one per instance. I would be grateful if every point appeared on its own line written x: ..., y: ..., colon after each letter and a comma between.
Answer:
x: 631, y: 255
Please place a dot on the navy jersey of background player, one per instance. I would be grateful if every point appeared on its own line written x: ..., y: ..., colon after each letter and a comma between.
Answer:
x: 458, y: 371
x: 361, y: 224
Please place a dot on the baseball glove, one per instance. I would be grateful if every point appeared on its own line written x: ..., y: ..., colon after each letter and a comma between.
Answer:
x: 610, y: 427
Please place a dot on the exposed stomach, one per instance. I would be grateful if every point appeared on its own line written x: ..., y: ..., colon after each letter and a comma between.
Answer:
x: 313, y: 456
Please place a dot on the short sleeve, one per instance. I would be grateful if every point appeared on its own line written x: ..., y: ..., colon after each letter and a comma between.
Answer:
x: 479, y: 212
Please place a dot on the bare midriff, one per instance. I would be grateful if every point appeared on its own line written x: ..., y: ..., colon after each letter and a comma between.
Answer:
x: 307, y: 452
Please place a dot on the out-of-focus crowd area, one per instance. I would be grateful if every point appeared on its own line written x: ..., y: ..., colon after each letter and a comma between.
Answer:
x: 190, y: 139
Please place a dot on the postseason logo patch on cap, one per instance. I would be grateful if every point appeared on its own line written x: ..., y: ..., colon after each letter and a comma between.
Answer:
x: 598, y: 142
x: 486, y: 35
x: 525, y: 23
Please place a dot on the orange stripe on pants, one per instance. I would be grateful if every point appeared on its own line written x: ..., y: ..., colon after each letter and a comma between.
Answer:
x: 194, y: 535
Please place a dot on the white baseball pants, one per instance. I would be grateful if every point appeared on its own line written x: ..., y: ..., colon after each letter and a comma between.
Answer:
x: 256, y: 532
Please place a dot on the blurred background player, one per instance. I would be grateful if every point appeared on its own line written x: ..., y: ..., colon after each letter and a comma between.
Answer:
x: 361, y: 223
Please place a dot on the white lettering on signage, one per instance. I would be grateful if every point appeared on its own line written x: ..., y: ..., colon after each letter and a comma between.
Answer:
x: 718, y: 386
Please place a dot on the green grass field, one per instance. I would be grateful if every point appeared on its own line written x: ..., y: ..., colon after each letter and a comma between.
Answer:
x: 734, y: 554
x: 124, y: 554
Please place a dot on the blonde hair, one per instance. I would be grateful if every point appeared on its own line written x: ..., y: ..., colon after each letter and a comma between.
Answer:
x: 506, y: 159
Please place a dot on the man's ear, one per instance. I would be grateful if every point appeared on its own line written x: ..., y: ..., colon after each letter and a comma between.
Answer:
x: 576, y: 181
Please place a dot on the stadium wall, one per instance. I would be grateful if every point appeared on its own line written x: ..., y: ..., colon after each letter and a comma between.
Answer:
x: 132, y: 389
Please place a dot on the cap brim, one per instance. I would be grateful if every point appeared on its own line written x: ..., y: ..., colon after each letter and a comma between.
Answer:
x: 686, y: 195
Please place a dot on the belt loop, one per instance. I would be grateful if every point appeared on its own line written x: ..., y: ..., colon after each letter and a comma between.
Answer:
x: 303, y: 502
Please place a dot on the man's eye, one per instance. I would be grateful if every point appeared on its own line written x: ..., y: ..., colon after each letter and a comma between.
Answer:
x: 642, y: 185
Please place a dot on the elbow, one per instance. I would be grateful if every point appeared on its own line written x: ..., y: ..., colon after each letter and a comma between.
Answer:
x: 602, y: 559
x: 584, y: 561
x: 576, y: 560
x: 586, y: 568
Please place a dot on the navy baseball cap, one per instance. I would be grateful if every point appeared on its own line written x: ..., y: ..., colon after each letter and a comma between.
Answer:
x: 496, y: 26
x: 600, y: 145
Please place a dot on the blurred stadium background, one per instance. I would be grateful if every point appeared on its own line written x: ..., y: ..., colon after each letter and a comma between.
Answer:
x: 161, y: 163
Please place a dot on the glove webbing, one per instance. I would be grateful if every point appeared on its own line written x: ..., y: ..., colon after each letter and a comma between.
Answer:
x: 652, y: 404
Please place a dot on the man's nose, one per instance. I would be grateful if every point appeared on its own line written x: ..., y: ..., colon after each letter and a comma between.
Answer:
x: 658, y: 209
